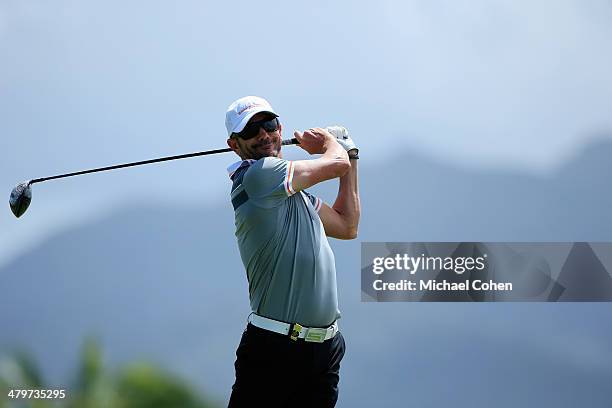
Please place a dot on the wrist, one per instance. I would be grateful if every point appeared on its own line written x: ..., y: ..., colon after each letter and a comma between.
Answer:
x: 331, y: 143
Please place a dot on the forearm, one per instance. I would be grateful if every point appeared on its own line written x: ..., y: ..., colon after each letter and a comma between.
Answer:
x: 347, y: 203
x: 333, y: 163
x: 334, y: 160
x: 333, y: 151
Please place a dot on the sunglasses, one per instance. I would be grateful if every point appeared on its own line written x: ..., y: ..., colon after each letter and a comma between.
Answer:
x: 252, y: 129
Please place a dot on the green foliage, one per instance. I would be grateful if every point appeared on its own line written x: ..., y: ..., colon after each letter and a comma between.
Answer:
x: 142, y: 386
x: 139, y: 385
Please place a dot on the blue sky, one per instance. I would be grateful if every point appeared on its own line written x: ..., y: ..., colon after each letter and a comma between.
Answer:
x: 484, y: 84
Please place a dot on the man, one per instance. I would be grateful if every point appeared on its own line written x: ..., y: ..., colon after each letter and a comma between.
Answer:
x: 290, y: 352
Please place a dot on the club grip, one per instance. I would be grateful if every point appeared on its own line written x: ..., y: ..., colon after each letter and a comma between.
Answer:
x: 290, y: 141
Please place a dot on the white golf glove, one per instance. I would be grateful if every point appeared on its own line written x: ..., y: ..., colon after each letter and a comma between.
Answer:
x: 343, y: 138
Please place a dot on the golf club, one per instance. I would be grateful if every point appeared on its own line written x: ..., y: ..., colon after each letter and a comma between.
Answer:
x: 21, y: 196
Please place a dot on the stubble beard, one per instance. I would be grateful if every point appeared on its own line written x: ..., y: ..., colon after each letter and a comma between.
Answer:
x: 254, y: 152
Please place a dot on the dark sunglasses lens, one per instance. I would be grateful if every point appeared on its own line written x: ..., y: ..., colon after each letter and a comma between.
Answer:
x: 270, y: 125
x: 250, y: 131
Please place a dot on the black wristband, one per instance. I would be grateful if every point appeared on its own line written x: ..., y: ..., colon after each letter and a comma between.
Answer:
x: 354, y: 156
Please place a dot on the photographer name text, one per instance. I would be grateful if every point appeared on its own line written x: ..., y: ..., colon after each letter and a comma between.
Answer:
x: 444, y: 285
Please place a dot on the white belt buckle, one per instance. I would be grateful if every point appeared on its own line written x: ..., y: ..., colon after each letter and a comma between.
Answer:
x: 315, y: 335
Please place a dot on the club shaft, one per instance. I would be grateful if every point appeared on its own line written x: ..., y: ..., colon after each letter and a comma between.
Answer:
x: 140, y: 163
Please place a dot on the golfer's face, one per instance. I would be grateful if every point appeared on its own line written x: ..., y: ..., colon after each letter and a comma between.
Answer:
x: 265, y: 144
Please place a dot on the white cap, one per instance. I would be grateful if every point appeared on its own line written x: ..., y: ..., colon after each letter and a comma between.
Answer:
x: 242, y: 110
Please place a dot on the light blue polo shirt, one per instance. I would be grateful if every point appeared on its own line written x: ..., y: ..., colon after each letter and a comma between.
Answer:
x: 289, y: 264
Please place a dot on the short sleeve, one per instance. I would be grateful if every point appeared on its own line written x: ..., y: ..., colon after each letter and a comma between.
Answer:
x: 269, y: 180
x: 314, y: 200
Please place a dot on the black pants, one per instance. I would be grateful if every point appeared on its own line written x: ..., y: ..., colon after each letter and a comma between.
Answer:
x: 274, y: 371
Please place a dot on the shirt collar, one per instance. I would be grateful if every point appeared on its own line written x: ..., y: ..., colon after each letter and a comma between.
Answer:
x: 231, y: 169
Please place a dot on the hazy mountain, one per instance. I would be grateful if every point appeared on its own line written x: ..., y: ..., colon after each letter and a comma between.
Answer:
x: 166, y: 284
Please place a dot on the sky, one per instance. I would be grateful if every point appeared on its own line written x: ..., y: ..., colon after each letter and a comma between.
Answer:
x: 489, y: 85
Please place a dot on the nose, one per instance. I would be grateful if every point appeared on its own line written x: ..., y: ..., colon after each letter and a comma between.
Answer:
x: 262, y: 133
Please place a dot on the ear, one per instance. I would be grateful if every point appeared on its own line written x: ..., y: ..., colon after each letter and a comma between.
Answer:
x: 233, y: 145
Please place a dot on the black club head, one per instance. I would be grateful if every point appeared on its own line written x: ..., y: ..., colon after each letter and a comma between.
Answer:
x: 21, y: 196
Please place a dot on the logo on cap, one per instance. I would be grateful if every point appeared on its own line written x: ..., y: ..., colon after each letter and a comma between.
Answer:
x: 249, y: 106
